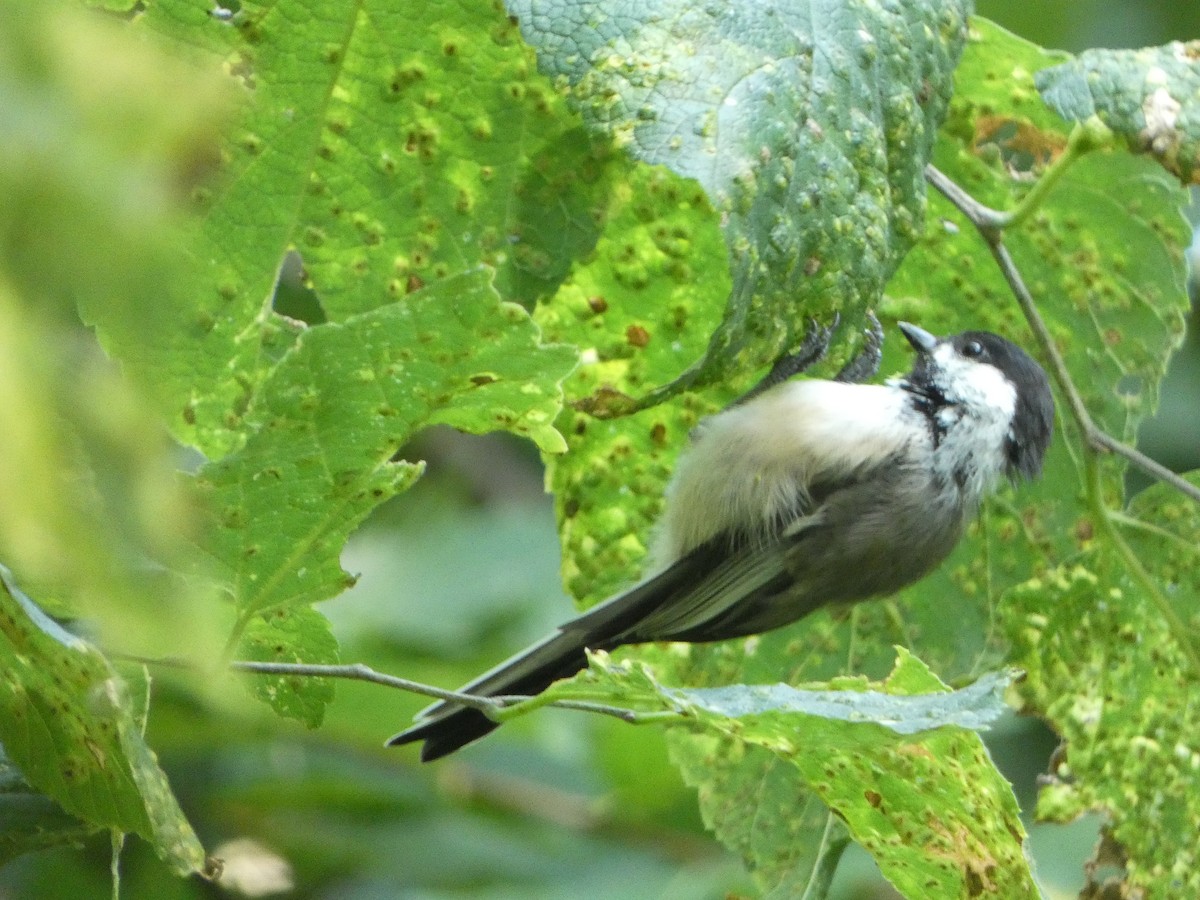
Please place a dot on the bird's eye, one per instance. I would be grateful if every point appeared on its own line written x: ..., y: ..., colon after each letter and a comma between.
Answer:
x: 972, y: 349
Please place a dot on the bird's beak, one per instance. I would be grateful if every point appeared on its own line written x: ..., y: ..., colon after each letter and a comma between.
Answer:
x: 922, y: 340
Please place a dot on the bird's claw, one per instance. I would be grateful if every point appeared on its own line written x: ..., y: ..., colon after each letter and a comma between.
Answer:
x: 865, y: 363
x: 813, y: 348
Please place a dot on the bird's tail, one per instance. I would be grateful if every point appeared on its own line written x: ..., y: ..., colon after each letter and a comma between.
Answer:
x: 446, y: 726
x: 627, y: 618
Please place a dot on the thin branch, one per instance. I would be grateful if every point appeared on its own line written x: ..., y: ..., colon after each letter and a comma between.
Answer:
x: 358, y: 672
x: 1058, y: 365
x: 1146, y: 464
x: 987, y: 220
x: 990, y: 225
x: 631, y: 716
x: 1085, y: 137
x: 498, y: 708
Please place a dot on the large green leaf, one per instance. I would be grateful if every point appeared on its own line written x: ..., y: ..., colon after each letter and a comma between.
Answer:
x: 1111, y: 676
x: 389, y: 155
x: 66, y: 721
x: 335, y: 411
x: 808, y: 124
x: 398, y: 162
x: 1148, y: 96
x: 890, y: 760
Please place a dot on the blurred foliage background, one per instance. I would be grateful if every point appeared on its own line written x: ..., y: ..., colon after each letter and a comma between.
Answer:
x: 455, y: 575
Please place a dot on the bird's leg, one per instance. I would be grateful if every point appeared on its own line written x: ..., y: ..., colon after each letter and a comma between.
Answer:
x: 816, y: 342
x: 865, y: 363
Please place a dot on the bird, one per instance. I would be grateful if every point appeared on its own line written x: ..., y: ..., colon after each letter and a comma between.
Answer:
x: 803, y: 493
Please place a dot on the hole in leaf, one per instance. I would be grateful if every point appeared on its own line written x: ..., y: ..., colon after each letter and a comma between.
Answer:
x: 294, y: 296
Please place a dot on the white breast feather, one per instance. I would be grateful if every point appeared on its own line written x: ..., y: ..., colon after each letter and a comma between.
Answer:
x: 750, y: 464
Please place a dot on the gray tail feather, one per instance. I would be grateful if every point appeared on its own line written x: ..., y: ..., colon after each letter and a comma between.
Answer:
x: 446, y: 726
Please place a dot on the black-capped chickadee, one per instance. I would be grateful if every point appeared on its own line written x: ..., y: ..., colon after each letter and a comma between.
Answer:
x: 804, y: 493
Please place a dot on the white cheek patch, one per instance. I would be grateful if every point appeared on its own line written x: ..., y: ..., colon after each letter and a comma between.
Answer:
x: 976, y: 421
x: 981, y: 387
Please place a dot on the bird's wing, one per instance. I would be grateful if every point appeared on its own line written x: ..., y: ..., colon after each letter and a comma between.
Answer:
x: 700, y: 597
x: 737, y: 584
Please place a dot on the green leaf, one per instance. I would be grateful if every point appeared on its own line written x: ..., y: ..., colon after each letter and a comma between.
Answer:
x: 807, y: 124
x: 92, y: 164
x: 885, y: 791
x: 390, y: 156
x: 31, y: 821
x: 327, y: 424
x: 880, y: 757
x: 975, y: 706
x: 1110, y: 674
x: 299, y: 635
x: 66, y: 720
x: 1147, y: 96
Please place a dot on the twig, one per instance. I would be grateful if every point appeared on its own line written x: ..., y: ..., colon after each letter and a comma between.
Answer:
x: 1146, y: 464
x: 990, y: 225
x: 986, y: 220
x: 631, y: 716
x: 1085, y: 137
x: 360, y: 672
x: 499, y: 708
